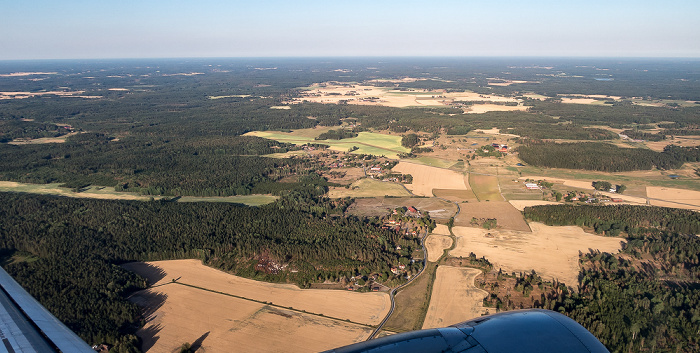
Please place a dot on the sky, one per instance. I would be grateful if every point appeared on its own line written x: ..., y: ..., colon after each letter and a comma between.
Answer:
x: 74, y: 29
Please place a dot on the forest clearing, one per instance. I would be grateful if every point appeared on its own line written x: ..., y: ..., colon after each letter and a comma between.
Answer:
x: 551, y: 251
x: 438, y: 210
x: 506, y: 216
x: 454, y: 299
x: 369, y: 188
x: 367, y: 142
x: 108, y: 193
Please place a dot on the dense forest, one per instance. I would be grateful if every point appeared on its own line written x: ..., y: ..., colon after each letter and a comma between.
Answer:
x: 77, y: 243
x: 337, y: 134
x: 604, y: 157
x: 613, y: 219
x: 216, y: 166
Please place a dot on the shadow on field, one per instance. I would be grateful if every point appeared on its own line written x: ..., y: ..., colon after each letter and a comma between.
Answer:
x: 149, y: 301
x: 151, y: 273
x: 198, y: 343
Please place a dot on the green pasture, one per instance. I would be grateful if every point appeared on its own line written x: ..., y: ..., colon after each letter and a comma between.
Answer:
x: 367, y: 142
x: 249, y: 200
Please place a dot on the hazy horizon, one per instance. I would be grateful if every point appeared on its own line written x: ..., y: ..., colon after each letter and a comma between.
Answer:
x: 75, y: 29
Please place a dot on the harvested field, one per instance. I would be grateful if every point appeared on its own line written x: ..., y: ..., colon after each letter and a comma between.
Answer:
x: 438, y: 210
x: 455, y: 298
x: 521, y: 204
x: 507, y: 216
x: 455, y: 195
x: 670, y: 197
x: 426, y: 178
x: 551, y: 251
x: 434, y: 162
x: 485, y: 187
x: 369, y: 188
x: 220, y: 323
x: 363, y: 308
x: 436, y: 244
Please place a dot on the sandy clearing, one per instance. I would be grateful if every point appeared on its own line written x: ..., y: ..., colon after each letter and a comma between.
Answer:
x: 38, y: 141
x: 483, y: 108
x: 455, y: 298
x: 366, y: 308
x: 551, y: 251
x: 281, y: 107
x: 494, y: 131
x: 581, y: 101
x: 354, y: 93
x: 427, y: 178
x: 17, y: 74
x: 227, y: 324
x: 436, y: 244
x: 521, y: 204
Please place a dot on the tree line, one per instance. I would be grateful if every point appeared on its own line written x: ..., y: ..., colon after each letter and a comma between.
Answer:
x: 603, y: 156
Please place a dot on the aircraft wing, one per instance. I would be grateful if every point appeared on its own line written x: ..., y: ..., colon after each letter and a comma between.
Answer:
x: 26, y: 326
x: 524, y: 331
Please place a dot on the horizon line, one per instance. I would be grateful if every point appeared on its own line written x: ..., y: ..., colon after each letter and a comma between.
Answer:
x: 368, y: 57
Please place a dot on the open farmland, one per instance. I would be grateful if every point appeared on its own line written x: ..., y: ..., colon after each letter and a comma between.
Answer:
x: 426, y: 178
x: 218, y: 323
x: 455, y: 195
x: 439, y: 210
x: 455, y: 298
x: 369, y: 188
x: 507, y: 216
x: 354, y: 93
x: 551, y: 251
x: 670, y: 197
x: 521, y: 204
x: 230, y: 311
x: 485, y: 187
x: 367, y: 142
